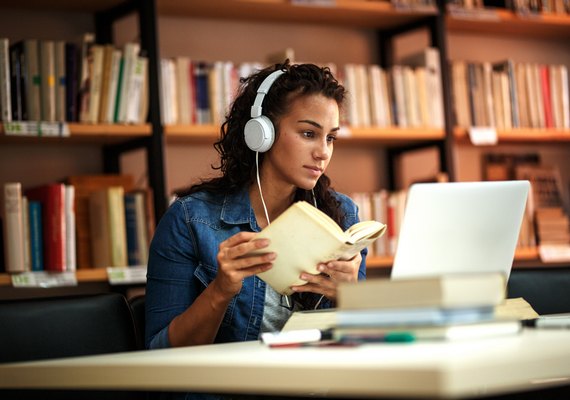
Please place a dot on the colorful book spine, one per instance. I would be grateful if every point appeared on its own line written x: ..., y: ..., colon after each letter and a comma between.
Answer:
x: 5, y: 91
x: 36, y: 242
x: 13, y: 227
x: 52, y: 197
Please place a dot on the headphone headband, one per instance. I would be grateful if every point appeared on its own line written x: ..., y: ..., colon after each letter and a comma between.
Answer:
x: 256, y: 109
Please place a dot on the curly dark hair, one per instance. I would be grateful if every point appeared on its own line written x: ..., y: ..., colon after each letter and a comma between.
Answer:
x: 237, y: 161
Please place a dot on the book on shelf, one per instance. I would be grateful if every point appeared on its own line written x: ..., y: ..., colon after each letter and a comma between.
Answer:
x: 12, y: 212
x: 60, y: 80
x: 507, y: 94
x: 129, y: 64
x: 46, y: 50
x: 26, y: 233
x: 428, y: 60
x: 52, y: 197
x: 17, y: 82
x: 136, y: 228
x: 85, y: 185
x: 108, y: 230
x: 72, y: 71
x: 35, y: 232
x: 448, y: 291
x: 303, y: 236
x: 5, y: 82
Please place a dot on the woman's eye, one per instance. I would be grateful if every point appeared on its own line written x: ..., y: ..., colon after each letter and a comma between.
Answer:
x: 331, y: 138
x: 309, y: 134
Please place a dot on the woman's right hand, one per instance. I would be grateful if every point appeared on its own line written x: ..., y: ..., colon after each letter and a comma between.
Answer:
x: 234, y: 267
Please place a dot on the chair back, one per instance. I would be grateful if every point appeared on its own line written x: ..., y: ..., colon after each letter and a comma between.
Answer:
x: 64, y: 327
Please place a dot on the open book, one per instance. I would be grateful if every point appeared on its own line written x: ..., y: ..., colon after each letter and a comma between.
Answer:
x: 303, y: 236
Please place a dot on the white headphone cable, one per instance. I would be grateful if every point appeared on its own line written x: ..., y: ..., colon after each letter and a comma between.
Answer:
x: 259, y: 187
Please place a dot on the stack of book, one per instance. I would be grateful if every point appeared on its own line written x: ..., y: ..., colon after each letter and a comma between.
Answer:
x: 450, y: 307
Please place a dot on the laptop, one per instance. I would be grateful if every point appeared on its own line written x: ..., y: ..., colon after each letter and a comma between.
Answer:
x: 460, y: 227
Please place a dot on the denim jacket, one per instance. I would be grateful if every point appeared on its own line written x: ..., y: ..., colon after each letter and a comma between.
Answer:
x: 182, y: 263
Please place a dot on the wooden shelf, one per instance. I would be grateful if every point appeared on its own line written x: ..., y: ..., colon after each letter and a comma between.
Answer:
x: 358, y: 13
x: 522, y: 135
x: 62, y: 5
x: 504, y: 22
x: 83, y: 275
x: 524, y: 258
x: 381, y: 136
x: 87, y: 133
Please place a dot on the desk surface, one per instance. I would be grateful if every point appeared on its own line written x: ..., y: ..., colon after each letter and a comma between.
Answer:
x: 534, y: 359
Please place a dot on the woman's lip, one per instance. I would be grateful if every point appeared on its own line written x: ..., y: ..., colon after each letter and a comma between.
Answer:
x: 314, y: 170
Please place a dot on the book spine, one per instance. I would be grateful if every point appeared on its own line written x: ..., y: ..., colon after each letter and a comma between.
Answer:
x: 136, y: 89
x: 71, y: 82
x: 133, y: 250
x: 130, y: 54
x: 117, y: 229
x: 53, y: 218
x: 5, y: 90
x: 33, y: 80
x: 70, y: 230
x: 13, y: 227
x: 18, y: 88
x: 91, y: 108
x: 60, y: 81
x: 109, y: 113
x: 26, y: 233
x: 47, y: 80
x: 36, y: 243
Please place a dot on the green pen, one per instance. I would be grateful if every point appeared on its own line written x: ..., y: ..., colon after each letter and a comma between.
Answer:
x: 399, y: 337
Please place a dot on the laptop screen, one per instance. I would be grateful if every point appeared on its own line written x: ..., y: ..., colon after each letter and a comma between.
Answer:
x: 460, y: 227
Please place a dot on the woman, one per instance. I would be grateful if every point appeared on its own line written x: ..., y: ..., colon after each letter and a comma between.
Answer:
x: 201, y: 288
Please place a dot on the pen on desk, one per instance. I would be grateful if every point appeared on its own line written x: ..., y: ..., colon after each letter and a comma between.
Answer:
x: 390, y: 337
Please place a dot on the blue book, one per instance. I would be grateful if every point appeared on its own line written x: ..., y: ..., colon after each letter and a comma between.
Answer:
x: 133, y: 250
x: 36, y: 241
x: 202, y: 87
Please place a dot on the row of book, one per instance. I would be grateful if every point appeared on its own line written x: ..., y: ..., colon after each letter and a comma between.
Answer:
x: 510, y: 95
x: 523, y: 7
x: 88, y: 222
x: 57, y: 81
x: 410, y: 95
x: 541, y: 225
x: 546, y: 222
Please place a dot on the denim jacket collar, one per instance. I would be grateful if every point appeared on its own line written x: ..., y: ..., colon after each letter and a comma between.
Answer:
x: 237, y: 210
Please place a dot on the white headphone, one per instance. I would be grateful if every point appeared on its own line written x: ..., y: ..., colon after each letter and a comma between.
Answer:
x: 259, y: 131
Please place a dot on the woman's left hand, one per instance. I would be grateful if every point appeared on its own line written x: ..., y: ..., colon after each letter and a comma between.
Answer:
x: 331, y: 274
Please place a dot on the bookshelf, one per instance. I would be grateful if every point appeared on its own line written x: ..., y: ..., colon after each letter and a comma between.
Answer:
x: 521, y: 135
x: 505, y: 22
x: 379, y: 17
x: 532, y: 31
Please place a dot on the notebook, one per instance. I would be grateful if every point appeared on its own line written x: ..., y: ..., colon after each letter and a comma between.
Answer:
x: 460, y: 227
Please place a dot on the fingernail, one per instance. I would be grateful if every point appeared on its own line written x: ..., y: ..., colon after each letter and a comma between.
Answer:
x: 321, y: 267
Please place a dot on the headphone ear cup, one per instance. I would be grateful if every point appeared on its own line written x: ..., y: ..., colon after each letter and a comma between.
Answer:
x: 259, y: 134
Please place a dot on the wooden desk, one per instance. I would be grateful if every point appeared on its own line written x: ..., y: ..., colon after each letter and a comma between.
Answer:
x: 535, y: 359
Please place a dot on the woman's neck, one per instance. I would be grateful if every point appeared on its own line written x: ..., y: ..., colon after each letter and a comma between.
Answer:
x: 276, y: 199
